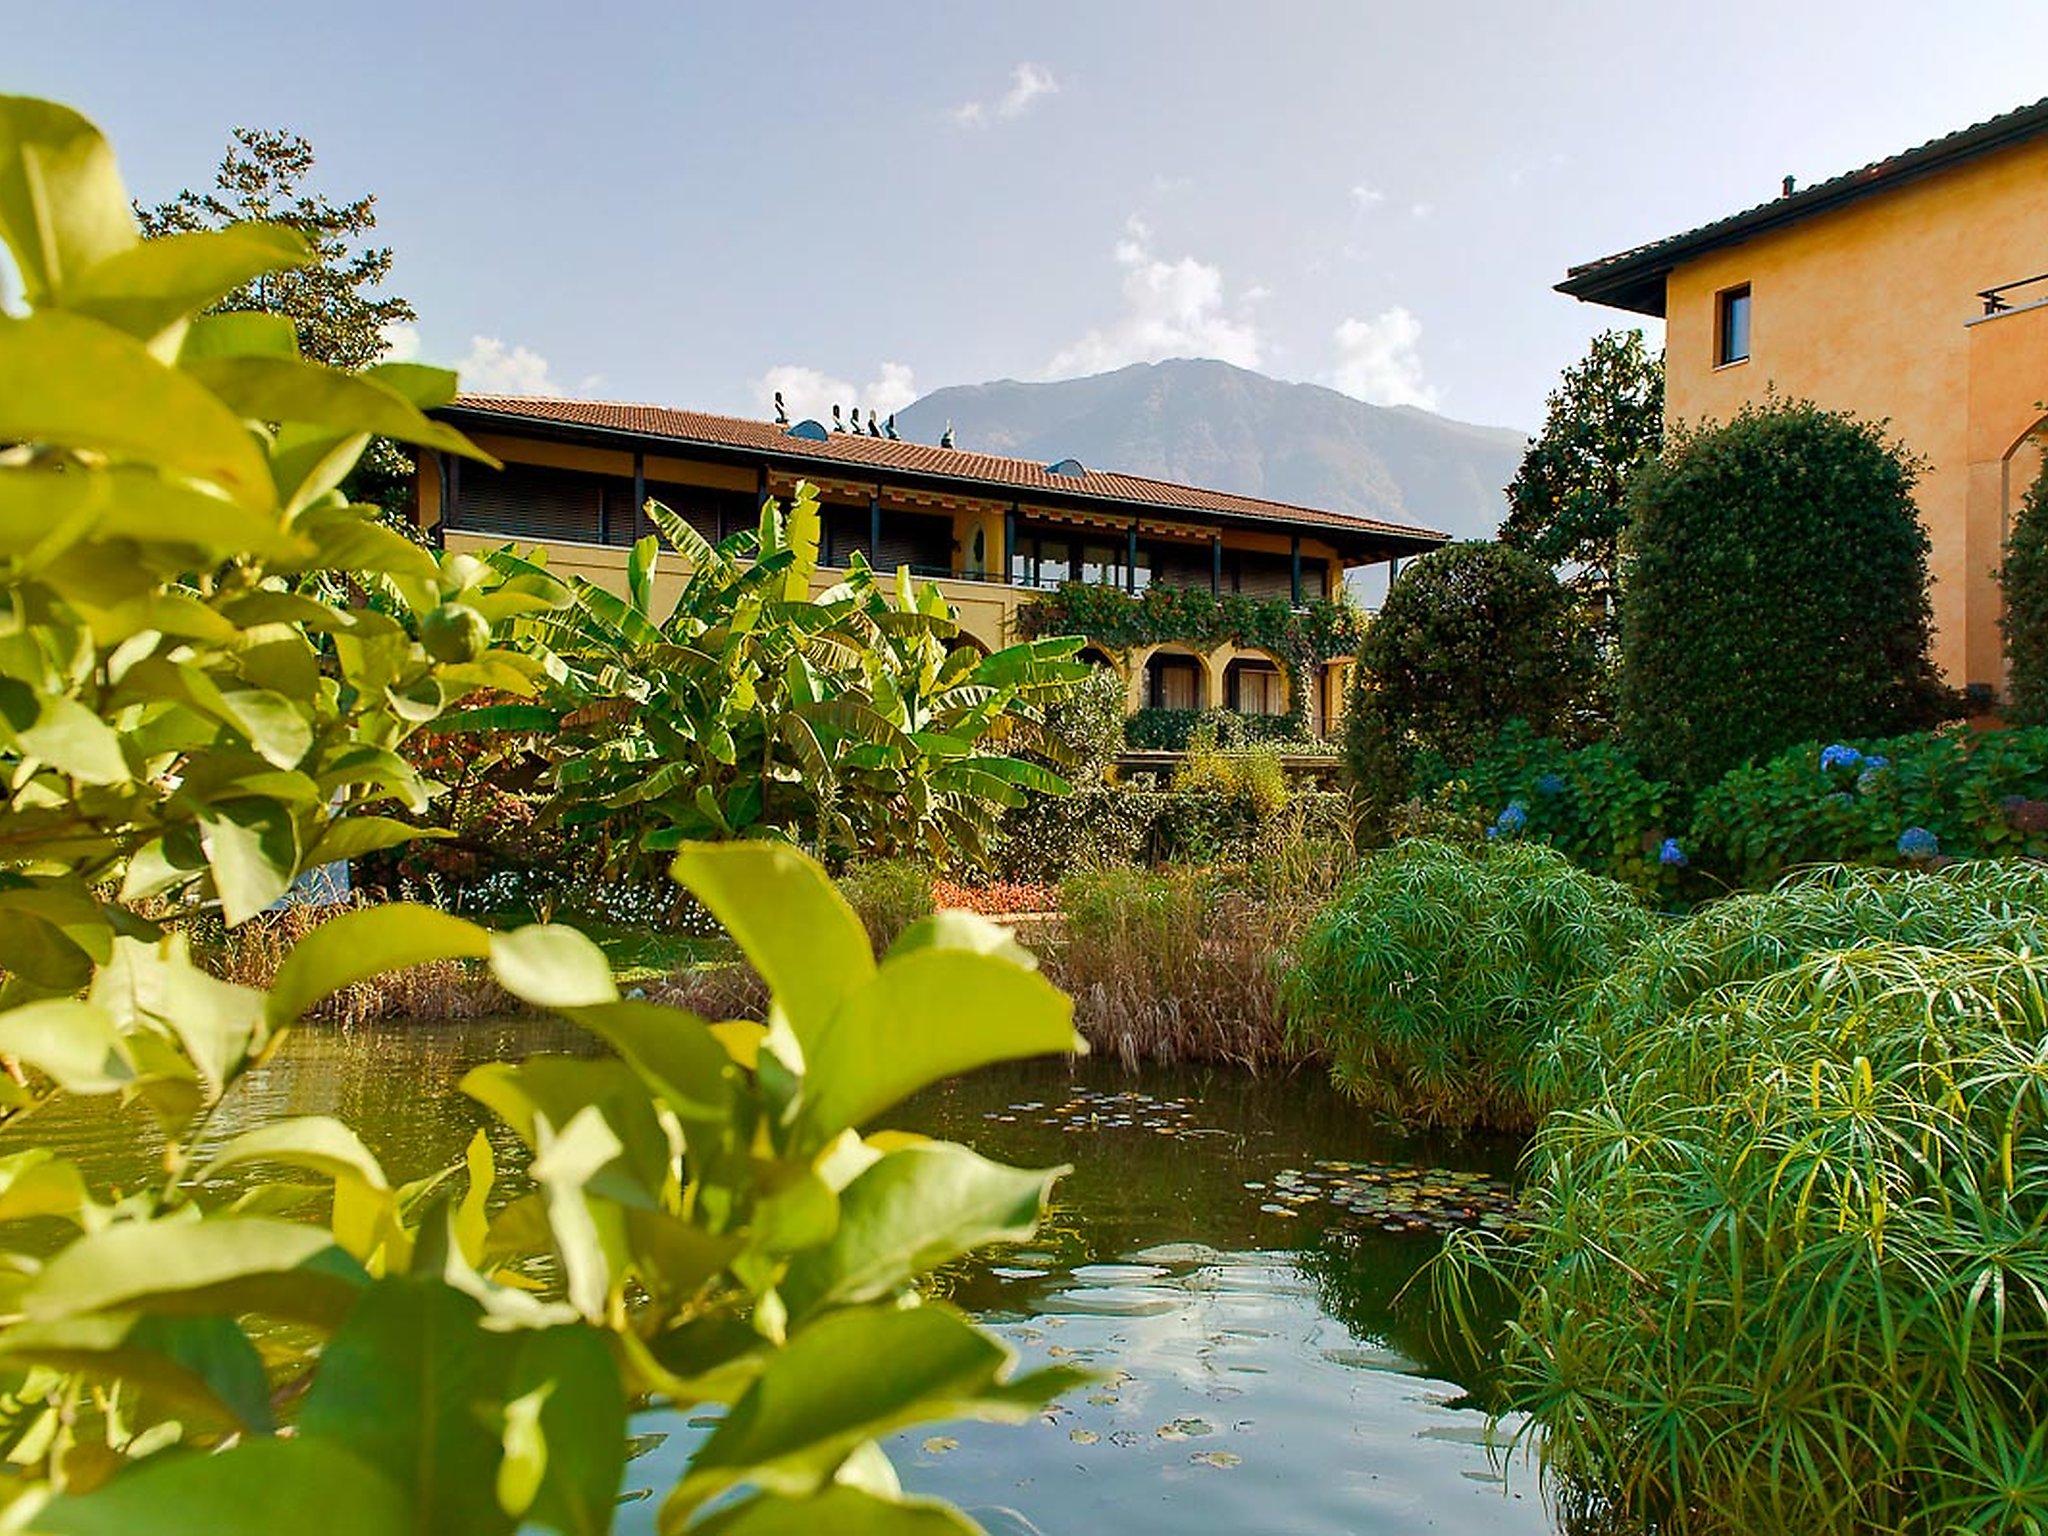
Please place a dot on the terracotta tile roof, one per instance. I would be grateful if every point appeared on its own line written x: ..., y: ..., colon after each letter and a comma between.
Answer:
x: 975, y: 473
x: 1634, y: 279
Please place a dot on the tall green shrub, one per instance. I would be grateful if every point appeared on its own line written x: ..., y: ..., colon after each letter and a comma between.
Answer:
x: 1436, y: 974
x: 1472, y: 636
x: 2024, y: 577
x: 1777, y: 592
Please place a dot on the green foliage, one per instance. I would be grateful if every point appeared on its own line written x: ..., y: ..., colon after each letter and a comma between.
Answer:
x: 1777, y: 592
x: 1592, y: 804
x: 2024, y: 579
x: 1793, y: 1218
x: 716, y: 1222
x: 1300, y: 639
x: 1115, y: 826
x: 749, y: 708
x: 1437, y: 972
x: 1980, y: 793
x: 1087, y: 727
x: 1473, y: 635
x: 888, y: 895
x: 1567, y: 503
x: 1171, y: 730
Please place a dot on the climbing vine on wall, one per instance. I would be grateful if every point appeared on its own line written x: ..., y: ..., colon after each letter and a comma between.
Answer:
x: 1301, y: 639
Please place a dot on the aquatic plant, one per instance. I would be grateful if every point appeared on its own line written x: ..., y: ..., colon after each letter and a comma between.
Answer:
x: 1788, y: 1268
x: 1438, y: 971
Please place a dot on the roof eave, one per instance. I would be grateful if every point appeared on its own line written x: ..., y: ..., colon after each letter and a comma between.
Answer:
x: 1382, y: 541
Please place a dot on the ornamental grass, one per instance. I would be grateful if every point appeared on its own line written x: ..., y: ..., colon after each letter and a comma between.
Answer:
x: 1786, y: 1266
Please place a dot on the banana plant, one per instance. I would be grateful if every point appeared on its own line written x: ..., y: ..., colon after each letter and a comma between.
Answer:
x: 749, y: 707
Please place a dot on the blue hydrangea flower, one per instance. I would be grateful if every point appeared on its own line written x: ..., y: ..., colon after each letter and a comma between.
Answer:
x: 1672, y: 854
x: 1867, y: 780
x: 1550, y: 784
x: 1839, y: 755
x: 1514, y: 818
x: 1492, y: 833
x: 1876, y: 764
x: 1918, y: 843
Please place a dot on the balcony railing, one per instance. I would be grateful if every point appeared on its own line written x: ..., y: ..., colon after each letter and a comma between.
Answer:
x: 1999, y: 300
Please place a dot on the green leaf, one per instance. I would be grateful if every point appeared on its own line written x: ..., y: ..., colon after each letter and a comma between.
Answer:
x: 240, y: 333
x: 74, y: 1044
x: 851, y: 1377
x: 252, y: 848
x: 150, y: 287
x: 203, y: 1368
x: 839, y: 1511
x: 317, y: 1142
x: 305, y: 1485
x: 406, y: 1384
x: 552, y: 966
x: 74, y: 740
x: 357, y: 945
x: 674, y: 1051
x: 199, y: 1268
x: 581, y: 1424
x: 913, y: 1210
x: 63, y: 209
x: 37, y: 1182
x: 293, y: 390
x: 80, y: 384
x: 562, y: 1165
x: 789, y: 920
x: 924, y: 1016
x: 357, y: 835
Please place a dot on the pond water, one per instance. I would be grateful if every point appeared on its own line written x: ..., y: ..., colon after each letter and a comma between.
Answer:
x: 1227, y: 1252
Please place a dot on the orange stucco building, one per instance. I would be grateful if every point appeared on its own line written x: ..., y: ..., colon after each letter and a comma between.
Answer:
x: 1915, y: 290
x: 991, y: 531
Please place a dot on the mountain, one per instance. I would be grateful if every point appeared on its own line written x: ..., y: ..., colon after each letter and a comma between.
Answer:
x: 1208, y: 423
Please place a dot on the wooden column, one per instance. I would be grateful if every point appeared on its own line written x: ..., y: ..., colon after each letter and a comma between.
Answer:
x: 1131, y: 562
x: 1296, y: 554
x: 1216, y: 565
x: 875, y: 527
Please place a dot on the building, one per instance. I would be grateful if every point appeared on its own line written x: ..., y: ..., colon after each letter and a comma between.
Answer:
x: 1914, y: 289
x: 991, y: 531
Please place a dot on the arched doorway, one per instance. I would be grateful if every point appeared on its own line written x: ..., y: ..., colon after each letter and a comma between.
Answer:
x: 1174, y: 679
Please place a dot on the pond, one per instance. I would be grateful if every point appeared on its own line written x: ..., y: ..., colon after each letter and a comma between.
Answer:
x: 1227, y: 1253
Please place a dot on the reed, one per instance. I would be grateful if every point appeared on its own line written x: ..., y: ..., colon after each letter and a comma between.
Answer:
x: 250, y: 953
x: 1174, y: 966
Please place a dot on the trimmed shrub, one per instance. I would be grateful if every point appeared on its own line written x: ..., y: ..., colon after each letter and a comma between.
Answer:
x: 1124, y: 826
x: 1775, y: 591
x: 1593, y: 805
x: 1087, y: 727
x: 888, y: 895
x: 1785, y: 1260
x: 1438, y: 971
x: 1172, y: 730
x: 1472, y: 636
x: 1952, y: 794
x: 2025, y: 580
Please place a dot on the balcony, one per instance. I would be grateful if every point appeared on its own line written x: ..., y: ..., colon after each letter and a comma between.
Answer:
x: 2023, y: 294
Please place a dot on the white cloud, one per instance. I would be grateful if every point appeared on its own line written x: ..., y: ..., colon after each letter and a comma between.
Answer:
x: 493, y: 368
x: 1366, y: 198
x: 1028, y: 82
x: 1171, y: 309
x: 1378, y: 360
x: 401, y: 342
x: 812, y: 392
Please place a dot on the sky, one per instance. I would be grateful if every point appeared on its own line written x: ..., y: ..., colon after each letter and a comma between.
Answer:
x: 695, y: 205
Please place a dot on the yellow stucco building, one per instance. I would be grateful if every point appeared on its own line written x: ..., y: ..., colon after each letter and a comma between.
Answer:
x: 992, y: 532
x: 1914, y: 289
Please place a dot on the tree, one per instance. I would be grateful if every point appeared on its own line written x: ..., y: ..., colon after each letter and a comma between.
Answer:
x: 1567, y: 504
x: 342, y: 321
x: 2025, y: 580
x: 1777, y: 581
x: 1472, y: 636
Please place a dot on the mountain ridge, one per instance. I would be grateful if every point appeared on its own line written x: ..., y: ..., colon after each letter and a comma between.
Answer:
x: 1201, y: 422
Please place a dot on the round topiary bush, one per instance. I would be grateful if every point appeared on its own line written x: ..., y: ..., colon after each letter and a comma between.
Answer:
x: 2025, y: 579
x: 1775, y: 591
x: 1472, y: 636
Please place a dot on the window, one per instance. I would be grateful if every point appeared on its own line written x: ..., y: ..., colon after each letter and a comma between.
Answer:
x: 1731, y: 327
x: 1102, y: 565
